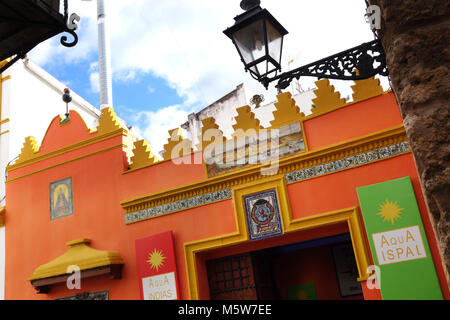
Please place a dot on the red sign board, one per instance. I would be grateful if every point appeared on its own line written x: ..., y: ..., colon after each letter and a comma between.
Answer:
x: 156, y: 267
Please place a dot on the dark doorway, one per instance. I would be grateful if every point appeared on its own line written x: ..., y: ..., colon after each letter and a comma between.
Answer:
x: 319, y: 269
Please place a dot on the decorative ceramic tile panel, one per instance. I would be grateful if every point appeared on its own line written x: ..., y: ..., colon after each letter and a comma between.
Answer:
x: 349, y: 162
x: 263, y: 215
x: 184, y: 204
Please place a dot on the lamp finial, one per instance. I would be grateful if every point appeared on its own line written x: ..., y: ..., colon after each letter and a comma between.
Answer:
x: 249, y: 4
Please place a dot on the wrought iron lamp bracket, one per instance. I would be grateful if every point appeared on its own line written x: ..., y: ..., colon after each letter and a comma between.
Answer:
x: 70, y: 27
x: 360, y: 62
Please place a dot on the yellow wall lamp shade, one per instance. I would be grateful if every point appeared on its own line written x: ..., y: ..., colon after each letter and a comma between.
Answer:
x: 91, y: 263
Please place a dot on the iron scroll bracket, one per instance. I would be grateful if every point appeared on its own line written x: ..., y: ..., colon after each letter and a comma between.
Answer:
x: 357, y: 63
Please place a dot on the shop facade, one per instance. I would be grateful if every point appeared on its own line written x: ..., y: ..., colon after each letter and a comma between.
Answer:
x: 313, y: 207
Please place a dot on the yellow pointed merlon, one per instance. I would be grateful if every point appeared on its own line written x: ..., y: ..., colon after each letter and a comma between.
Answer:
x: 29, y: 150
x: 177, y: 145
x: 80, y: 254
x: 366, y: 89
x: 210, y: 134
x: 142, y: 155
x: 108, y: 122
x: 246, y: 123
x: 327, y: 99
x: 286, y: 111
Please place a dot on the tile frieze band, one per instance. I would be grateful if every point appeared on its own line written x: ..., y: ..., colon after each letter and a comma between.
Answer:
x: 176, y: 206
x: 348, y: 162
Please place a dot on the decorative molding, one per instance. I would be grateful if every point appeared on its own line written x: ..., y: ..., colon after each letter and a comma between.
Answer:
x: 4, y: 121
x: 327, y: 99
x: 286, y: 111
x: 142, y: 155
x: 373, y: 144
x: 176, y: 206
x: 4, y: 132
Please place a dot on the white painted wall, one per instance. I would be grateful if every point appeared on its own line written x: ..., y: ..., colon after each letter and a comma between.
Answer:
x: 31, y: 98
x: 224, y: 111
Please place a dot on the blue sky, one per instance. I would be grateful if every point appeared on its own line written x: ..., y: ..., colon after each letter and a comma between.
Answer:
x: 170, y: 58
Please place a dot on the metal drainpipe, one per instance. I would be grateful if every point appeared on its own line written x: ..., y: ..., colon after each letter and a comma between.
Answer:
x: 104, y: 57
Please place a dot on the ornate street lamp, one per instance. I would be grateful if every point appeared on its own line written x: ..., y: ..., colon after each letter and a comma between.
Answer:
x: 258, y: 38
x: 26, y: 23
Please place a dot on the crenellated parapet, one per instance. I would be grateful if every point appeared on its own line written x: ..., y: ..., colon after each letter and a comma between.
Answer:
x: 75, y: 133
x: 287, y: 119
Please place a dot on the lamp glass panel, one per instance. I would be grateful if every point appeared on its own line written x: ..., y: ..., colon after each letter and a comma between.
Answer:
x: 275, y: 41
x: 250, y: 41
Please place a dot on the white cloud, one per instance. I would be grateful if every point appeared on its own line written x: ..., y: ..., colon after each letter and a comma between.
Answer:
x: 182, y: 42
x: 154, y: 126
x: 94, y: 81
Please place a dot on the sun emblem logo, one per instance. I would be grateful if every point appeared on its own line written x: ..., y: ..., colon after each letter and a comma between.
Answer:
x: 390, y: 211
x: 156, y: 259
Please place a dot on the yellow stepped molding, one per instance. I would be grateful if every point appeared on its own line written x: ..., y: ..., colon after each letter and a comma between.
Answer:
x: 327, y: 99
x: 108, y: 122
x: 366, y: 88
x: 80, y: 254
x: 210, y: 134
x: 29, y: 150
x: 2, y: 216
x: 177, y: 145
x: 245, y: 120
x: 142, y: 155
x: 286, y: 111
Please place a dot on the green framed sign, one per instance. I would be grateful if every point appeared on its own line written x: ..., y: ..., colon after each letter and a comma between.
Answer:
x: 398, y: 241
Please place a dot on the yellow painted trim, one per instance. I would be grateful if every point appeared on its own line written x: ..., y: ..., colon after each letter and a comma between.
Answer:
x: 66, y: 162
x: 288, y: 164
x: 4, y: 120
x: 79, y: 254
x: 349, y: 216
x: 2, y: 216
x: 2, y: 133
x: 6, y: 78
x: 75, y: 146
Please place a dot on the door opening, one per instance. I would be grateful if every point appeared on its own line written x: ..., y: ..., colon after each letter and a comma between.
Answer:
x: 319, y: 269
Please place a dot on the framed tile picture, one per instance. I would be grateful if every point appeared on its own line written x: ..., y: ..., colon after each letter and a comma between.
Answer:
x: 61, y: 200
x: 263, y: 215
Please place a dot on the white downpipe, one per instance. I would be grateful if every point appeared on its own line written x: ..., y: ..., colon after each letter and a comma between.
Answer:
x: 104, y: 57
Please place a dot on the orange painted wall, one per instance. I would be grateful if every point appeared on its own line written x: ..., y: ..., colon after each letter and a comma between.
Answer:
x: 100, y: 184
x: 355, y: 120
